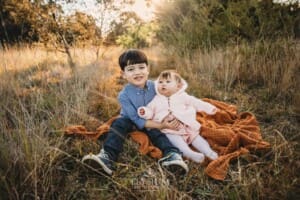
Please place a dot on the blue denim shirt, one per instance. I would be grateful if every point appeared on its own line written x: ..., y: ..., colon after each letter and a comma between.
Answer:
x: 132, y: 97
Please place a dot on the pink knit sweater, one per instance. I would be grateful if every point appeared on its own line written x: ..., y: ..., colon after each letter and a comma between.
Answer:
x: 181, y: 106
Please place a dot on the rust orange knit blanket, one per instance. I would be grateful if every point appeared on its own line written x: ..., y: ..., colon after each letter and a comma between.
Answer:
x: 229, y: 133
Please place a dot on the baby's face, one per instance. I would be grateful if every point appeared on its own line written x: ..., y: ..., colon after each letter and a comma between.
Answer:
x: 168, y: 86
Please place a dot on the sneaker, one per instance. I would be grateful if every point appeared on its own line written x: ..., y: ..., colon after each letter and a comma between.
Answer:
x: 101, y: 161
x: 174, y: 162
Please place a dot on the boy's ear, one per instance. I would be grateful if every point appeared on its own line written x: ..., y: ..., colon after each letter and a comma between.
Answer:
x: 148, y: 69
x: 123, y: 74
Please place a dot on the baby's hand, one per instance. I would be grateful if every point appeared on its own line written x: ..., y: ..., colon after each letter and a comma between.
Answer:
x: 142, y: 111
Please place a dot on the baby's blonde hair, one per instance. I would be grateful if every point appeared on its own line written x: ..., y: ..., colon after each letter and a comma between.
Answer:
x: 166, y: 74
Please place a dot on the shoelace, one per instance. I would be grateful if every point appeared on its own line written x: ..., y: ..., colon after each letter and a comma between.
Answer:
x: 103, y: 155
x: 164, y: 158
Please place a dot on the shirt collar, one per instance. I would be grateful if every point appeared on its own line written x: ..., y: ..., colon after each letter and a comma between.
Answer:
x: 147, y: 86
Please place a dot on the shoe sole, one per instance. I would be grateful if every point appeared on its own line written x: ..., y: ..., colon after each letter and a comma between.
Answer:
x: 94, y: 162
x: 176, y: 167
x: 176, y: 170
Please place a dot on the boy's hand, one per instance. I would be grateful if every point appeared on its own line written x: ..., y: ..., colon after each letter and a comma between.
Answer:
x: 173, y: 124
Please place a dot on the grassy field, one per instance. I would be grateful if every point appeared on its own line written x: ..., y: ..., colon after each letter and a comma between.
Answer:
x: 41, y: 95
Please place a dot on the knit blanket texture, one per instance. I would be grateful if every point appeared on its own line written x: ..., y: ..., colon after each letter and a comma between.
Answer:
x: 229, y: 133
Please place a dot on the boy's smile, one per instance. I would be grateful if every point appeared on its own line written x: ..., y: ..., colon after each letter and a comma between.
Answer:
x: 136, y: 74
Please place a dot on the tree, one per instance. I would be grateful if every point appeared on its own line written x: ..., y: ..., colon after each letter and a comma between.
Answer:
x: 24, y: 21
x: 207, y: 23
x: 80, y: 28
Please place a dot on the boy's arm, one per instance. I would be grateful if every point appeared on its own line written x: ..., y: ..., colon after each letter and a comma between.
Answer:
x: 165, y: 124
x: 131, y: 112
x: 153, y: 124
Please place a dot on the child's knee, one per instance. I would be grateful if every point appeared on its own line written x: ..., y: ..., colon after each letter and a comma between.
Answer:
x: 121, y: 125
x: 121, y: 122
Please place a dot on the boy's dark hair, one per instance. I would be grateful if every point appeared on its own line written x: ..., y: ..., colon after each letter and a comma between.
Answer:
x: 131, y: 57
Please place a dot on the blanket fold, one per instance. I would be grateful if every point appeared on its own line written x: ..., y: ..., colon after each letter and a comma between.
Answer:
x: 229, y: 133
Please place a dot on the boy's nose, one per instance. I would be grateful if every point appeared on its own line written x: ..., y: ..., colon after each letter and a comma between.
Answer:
x: 136, y: 71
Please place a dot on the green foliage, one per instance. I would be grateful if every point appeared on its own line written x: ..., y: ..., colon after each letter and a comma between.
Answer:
x: 33, y: 21
x: 130, y: 31
x: 183, y: 24
x: 120, y: 26
x: 210, y: 23
x: 137, y: 36
x: 81, y: 27
x: 29, y: 21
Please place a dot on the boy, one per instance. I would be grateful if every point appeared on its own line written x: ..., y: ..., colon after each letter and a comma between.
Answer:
x: 138, y: 92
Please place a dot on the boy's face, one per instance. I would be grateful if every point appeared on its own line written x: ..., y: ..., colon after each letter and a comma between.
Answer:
x: 168, y: 86
x: 136, y: 74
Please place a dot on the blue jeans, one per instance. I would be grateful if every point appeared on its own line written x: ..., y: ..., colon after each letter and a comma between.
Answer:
x: 119, y: 130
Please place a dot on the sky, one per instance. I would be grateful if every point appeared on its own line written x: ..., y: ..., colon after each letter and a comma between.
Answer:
x: 144, y: 11
x: 90, y: 7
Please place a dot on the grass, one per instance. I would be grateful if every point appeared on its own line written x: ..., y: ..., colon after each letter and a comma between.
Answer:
x: 40, y: 96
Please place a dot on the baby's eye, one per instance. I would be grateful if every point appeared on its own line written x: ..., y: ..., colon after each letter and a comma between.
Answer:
x: 130, y: 69
x: 168, y: 81
x: 142, y: 67
x: 160, y: 82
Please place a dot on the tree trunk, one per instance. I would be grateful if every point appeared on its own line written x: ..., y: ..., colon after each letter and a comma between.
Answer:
x: 66, y: 45
x: 4, y: 31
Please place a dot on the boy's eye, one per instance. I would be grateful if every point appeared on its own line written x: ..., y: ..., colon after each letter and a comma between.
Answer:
x: 142, y: 67
x: 160, y: 82
x: 130, y: 69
